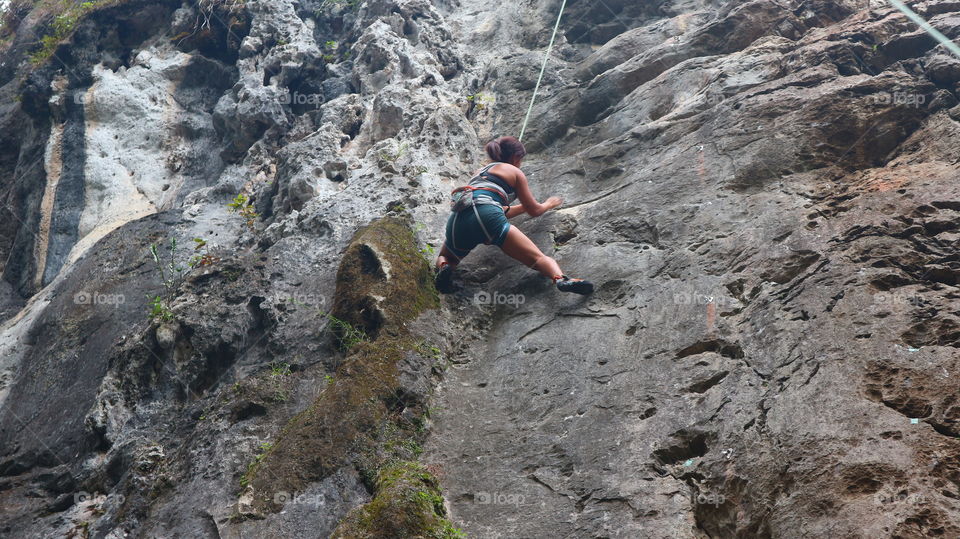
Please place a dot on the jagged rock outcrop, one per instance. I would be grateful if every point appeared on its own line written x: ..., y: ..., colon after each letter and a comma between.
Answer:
x: 763, y: 191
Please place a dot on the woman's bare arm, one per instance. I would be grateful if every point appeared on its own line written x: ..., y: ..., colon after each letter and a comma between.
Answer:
x: 513, y: 211
x: 524, y: 195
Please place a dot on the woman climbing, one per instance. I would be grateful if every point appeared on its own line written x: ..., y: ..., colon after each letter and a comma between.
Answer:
x: 480, y: 213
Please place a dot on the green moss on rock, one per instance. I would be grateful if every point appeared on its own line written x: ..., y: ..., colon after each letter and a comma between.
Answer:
x: 382, y: 284
x: 408, y: 504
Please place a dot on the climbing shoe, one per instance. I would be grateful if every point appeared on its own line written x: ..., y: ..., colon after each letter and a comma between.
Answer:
x: 444, y: 279
x: 577, y: 286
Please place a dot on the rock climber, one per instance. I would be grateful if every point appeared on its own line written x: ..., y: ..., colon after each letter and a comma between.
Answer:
x: 480, y: 213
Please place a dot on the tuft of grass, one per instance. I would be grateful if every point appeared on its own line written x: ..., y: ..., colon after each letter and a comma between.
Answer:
x: 393, y: 156
x: 173, y: 273
x: 264, y: 449
x: 347, y: 334
x: 66, y: 18
x: 279, y: 368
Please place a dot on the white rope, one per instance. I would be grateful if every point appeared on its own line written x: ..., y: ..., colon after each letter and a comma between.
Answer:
x: 542, y: 69
x: 950, y: 45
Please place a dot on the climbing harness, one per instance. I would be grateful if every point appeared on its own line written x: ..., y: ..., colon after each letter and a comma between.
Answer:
x: 950, y: 45
x: 543, y: 68
x: 462, y: 197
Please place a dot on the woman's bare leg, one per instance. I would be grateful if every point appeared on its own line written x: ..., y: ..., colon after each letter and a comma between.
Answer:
x: 519, y: 246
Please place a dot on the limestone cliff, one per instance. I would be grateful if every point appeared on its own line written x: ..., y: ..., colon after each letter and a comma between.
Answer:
x: 216, y: 314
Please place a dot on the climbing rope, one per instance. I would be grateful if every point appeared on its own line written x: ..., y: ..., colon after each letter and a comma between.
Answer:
x: 950, y: 45
x: 542, y: 69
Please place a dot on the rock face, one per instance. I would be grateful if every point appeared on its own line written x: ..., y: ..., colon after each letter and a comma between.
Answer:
x: 764, y: 193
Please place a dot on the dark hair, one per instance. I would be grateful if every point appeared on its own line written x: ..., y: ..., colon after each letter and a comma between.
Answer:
x: 505, y: 149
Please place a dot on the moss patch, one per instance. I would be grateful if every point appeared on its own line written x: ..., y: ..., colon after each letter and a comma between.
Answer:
x: 362, y: 418
x: 66, y: 15
x: 408, y: 503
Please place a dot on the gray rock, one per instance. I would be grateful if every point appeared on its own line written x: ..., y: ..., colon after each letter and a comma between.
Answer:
x: 764, y: 197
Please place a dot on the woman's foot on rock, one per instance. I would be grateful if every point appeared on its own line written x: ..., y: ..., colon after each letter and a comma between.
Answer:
x: 577, y: 286
x: 444, y: 279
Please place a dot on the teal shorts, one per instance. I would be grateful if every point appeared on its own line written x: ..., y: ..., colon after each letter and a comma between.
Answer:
x: 464, y: 231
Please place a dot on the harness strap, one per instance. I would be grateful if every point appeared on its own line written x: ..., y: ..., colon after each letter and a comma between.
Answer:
x: 482, y: 226
x: 453, y: 231
x: 494, y: 179
x: 488, y: 167
x: 474, y: 188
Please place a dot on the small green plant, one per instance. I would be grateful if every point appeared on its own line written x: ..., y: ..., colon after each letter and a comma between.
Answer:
x: 159, y: 310
x: 232, y: 274
x: 62, y: 27
x: 348, y: 336
x: 173, y: 273
x: 393, y: 156
x: 481, y: 101
x: 264, y: 448
x: 241, y: 204
x: 279, y: 368
x: 328, y: 378
x: 429, y: 350
x: 342, y: 3
x: 331, y: 48
x: 427, y: 251
x: 450, y: 531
